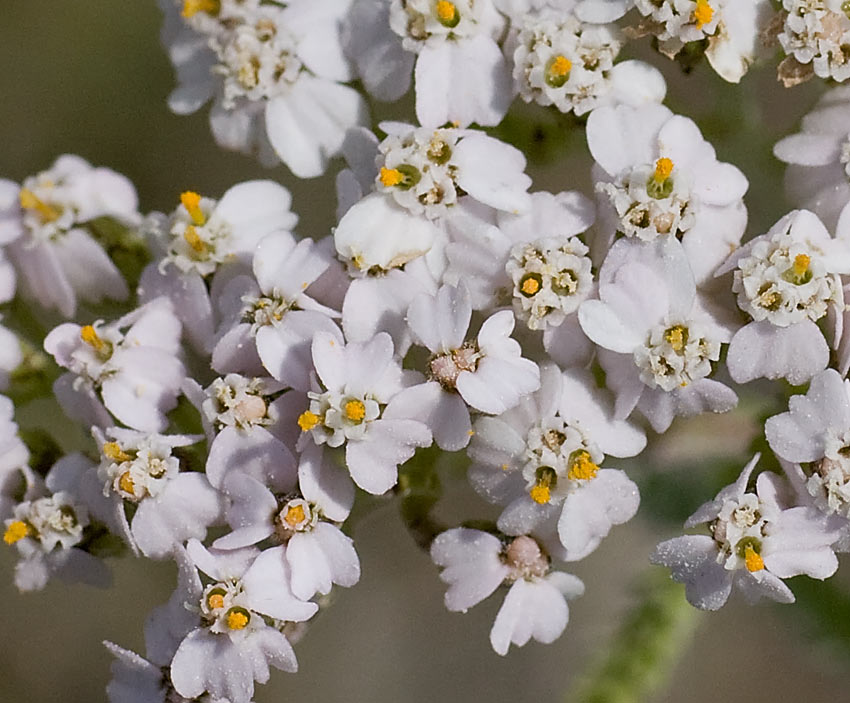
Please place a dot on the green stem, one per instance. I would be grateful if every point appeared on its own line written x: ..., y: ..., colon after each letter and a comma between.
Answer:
x: 644, y: 652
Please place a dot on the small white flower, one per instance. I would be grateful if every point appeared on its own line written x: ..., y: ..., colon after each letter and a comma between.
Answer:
x: 476, y: 563
x: 355, y: 408
x: 663, y: 180
x: 786, y: 280
x: 755, y: 542
x: 488, y: 374
x: 57, y: 258
x: 132, y: 364
x: 817, y: 32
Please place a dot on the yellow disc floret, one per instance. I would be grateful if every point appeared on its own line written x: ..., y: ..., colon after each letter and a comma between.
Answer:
x: 530, y: 286
x: 307, y: 420
x: 294, y: 515
x: 192, y: 202
x: 126, y: 483
x: 237, y: 619
x: 753, y: 559
x: 677, y: 337
x: 16, y: 530
x: 446, y: 11
x: 90, y: 336
x: 391, y: 177
x: 801, y: 264
x: 663, y: 169
x: 581, y: 466
x: 560, y: 67
x: 215, y: 601
x: 113, y: 451
x: 193, y: 239
x: 193, y: 7
x: 355, y: 410
x: 30, y: 201
x: 703, y: 13
x: 540, y: 493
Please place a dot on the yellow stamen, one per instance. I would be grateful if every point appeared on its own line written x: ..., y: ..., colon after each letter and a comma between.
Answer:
x: 391, y: 177
x: 237, y: 620
x: 307, y: 420
x: 703, y: 13
x: 215, y: 601
x: 113, y: 451
x: 560, y: 67
x: 663, y: 169
x: 801, y: 264
x: 355, y: 410
x: 540, y: 493
x: 530, y: 286
x: 92, y: 338
x: 30, y: 201
x: 676, y: 338
x: 16, y: 531
x: 752, y: 559
x: 446, y: 11
x: 294, y: 515
x: 194, y: 240
x: 581, y: 467
x: 193, y: 7
x: 192, y: 202
x: 125, y: 483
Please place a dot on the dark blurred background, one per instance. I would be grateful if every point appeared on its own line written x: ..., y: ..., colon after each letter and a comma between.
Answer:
x: 90, y: 77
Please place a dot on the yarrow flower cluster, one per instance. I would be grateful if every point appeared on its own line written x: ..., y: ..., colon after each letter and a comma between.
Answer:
x: 240, y: 387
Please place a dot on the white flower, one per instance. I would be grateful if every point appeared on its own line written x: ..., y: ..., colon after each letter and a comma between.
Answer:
x: 542, y: 460
x: 737, y: 40
x: 275, y: 72
x: 132, y: 364
x: 648, y: 313
x: 817, y: 32
x: 476, y: 563
x: 45, y: 530
x: 561, y: 61
x: 170, y: 506
x: 461, y: 74
x: 678, y: 22
x: 234, y: 646
x: 533, y: 259
x: 786, y: 280
x: 662, y: 180
x: 755, y: 542
x: 57, y: 258
x: 269, y: 320
x: 488, y: 374
x: 202, y: 233
x: 815, y: 432
x: 818, y: 158
x: 356, y: 409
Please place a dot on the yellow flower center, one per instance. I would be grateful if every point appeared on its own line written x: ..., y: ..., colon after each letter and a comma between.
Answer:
x: 677, y: 338
x: 16, y: 530
x: 237, y: 619
x: 30, y: 201
x: 753, y: 559
x: 391, y: 177
x: 193, y: 239
x: 540, y: 493
x: 215, y: 601
x: 530, y: 286
x: 192, y: 202
x: 663, y: 169
x: 560, y: 67
x: 125, y: 483
x: 113, y: 451
x: 801, y: 264
x: 446, y: 11
x: 307, y: 420
x: 355, y: 410
x: 581, y: 466
x: 703, y: 13
x: 193, y: 7
x: 294, y: 515
x: 90, y: 336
